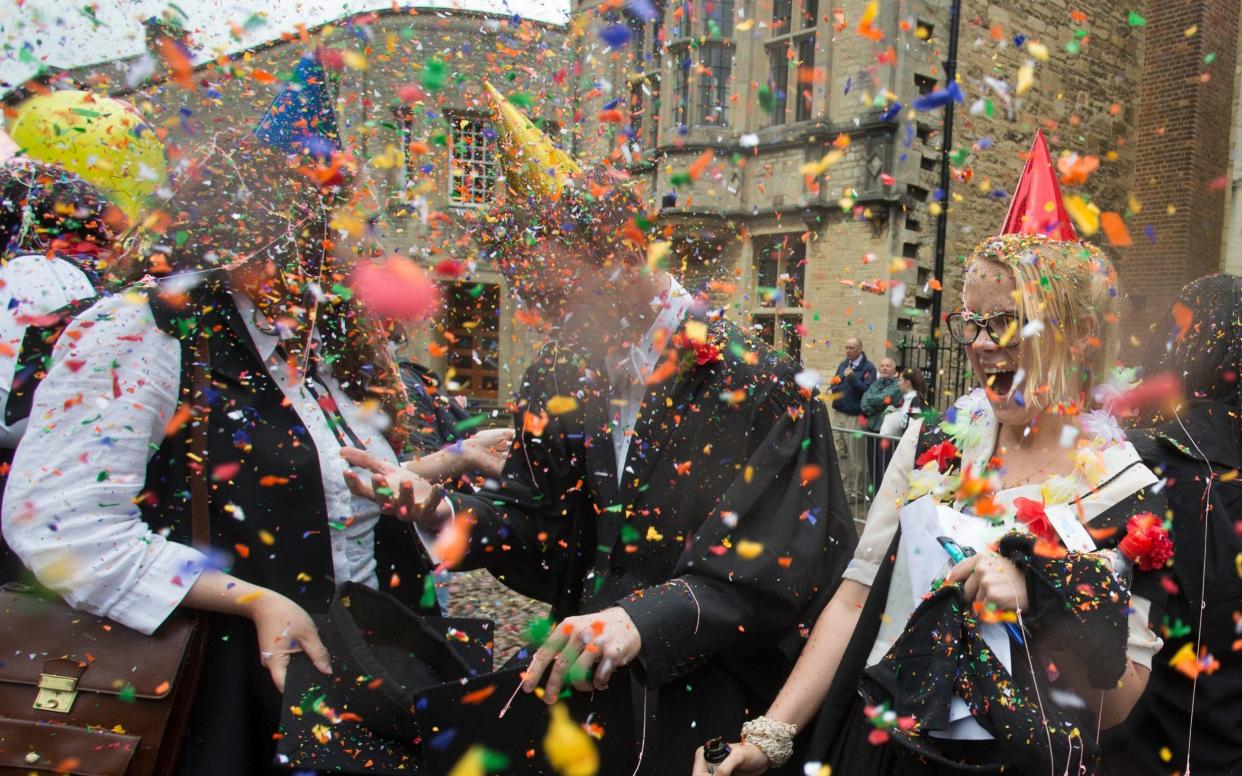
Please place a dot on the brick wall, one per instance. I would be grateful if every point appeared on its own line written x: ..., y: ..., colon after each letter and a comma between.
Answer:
x: 1182, y: 146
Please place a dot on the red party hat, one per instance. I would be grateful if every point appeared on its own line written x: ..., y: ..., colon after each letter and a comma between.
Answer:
x: 1037, y: 207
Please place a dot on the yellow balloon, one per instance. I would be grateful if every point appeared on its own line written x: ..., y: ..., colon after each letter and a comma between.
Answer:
x: 103, y: 140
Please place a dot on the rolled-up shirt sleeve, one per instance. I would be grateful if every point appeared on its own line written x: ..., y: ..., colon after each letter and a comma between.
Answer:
x: 1142, y: 643
x: 883, y: 517
x: 69, y: 509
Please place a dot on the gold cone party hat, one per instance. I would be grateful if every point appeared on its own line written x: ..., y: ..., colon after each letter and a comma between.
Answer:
x: 533, y: 166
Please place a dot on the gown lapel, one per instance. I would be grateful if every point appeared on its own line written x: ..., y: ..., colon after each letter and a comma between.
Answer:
x: 653, y: 433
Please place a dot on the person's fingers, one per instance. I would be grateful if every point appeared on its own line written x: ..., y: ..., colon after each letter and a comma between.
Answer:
x: 571, y: 646
x: 962, y: 570
x: 603, y: 674
x: 556, y: 677
x: 278, y: 667
x: 313, y: 646
x: 423, y: 513
x: 730, y: 764
x: 700, y: 763
x: 383, y: 493
x: 579, y: 675
x: 362, y: 458
x: 971, y: 589
x: 543, y: 656
x: 538, y: 664
x: 407, y: 506
x: 358, y: 486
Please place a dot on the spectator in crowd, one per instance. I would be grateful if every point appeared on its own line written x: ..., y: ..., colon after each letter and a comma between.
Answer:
x: 880, y: 397
x: 855, y: 374
x: 896, y: 418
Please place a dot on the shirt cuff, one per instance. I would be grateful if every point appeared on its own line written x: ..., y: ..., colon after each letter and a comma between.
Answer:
x: 1142, y: 643
x: 861, y: 571
x: 160, y: 588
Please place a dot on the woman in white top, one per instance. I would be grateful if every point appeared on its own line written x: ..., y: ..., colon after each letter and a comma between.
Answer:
x: 98, y: 502
x: 1033, y: 665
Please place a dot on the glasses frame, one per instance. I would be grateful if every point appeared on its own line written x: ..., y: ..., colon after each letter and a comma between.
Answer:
x: 984, y: 322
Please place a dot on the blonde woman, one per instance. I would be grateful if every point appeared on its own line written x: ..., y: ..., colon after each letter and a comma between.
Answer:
x: 982, y: 624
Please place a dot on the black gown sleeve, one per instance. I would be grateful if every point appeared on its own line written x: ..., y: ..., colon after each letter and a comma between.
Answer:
x: 525, y: 532
x: 745, y: 582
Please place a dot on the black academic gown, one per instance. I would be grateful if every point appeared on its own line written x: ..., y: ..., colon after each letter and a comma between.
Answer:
x: 726, y: 535
x: 1209, y: 434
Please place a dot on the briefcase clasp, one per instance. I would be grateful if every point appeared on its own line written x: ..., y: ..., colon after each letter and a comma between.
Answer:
x: 56, y: 693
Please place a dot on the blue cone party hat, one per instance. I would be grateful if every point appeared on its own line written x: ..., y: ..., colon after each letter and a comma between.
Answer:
x: 301, y: 118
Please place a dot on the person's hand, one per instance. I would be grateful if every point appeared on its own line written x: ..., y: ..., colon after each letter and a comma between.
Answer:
x: 284, y: 628
x: 581, y: 646
x: 849, y: 371
x: 399, y: 491
x: 743, y: 760
x: 991, y: 579
x: 487, y: 450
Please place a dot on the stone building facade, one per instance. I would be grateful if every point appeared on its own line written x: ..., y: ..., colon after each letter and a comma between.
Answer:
x: 770, y: 86
x: 410, y: 103
x: 721, y: 107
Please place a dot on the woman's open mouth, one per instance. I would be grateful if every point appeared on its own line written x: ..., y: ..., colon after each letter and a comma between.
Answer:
x: 999, y: 381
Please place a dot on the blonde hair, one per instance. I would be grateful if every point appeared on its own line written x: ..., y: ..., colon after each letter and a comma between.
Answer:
x: 1064, y: 285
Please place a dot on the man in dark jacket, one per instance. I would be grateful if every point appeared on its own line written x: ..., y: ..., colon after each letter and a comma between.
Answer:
x: 855, y: 374
x: 672, y: 492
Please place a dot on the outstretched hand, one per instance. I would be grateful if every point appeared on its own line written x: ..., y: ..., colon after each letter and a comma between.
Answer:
x: 398, y: 491
x: 584, y: 651
x: 487, y: 451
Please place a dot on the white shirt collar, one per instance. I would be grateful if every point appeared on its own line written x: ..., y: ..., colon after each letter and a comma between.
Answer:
x: 265, y: 338
x: 672, y: 306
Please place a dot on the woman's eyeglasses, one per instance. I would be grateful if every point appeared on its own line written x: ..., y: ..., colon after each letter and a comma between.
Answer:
x: 1002, y: 328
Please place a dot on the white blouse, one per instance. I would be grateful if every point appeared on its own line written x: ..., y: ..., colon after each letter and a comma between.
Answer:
x: 97, y: 420
x: 30, y: 286
x: 883, y: 521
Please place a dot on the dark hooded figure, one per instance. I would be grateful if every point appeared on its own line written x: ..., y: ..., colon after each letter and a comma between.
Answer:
x: 1190, y: 719
x: 672, y: 490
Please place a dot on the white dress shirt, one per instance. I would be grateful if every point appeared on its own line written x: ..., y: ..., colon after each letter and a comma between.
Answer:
x: 97, y: 419
x: 630, y: 372
x: 30, y: 286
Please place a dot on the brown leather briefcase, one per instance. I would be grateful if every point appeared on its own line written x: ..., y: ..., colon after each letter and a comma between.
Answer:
x: 81, y: 694
x: 93, y: 697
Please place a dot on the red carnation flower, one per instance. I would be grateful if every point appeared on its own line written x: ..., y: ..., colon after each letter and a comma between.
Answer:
x: 1146, y: 543
x: 1032, y: 515
x: 944, y: 454
x: 704, y: 352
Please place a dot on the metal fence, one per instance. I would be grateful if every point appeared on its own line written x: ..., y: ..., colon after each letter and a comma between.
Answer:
x: 954, y: 378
